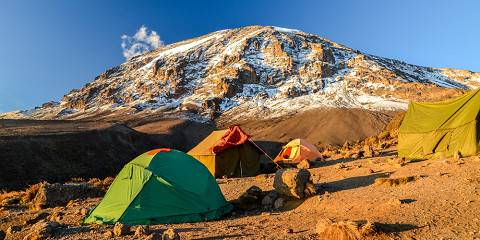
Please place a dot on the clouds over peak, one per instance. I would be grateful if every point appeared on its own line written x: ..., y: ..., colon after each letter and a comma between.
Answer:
x: 143, y: 41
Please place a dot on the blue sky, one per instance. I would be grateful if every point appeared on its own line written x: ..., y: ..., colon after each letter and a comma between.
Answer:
x: 48, y: 48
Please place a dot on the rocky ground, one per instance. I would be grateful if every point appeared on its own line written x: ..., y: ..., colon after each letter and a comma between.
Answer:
x: 431, y: 199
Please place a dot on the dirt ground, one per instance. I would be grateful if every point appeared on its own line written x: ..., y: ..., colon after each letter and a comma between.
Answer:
x: 442, y: 203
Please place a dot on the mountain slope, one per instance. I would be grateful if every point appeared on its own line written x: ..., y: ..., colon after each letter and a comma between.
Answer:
x: 254, y: 72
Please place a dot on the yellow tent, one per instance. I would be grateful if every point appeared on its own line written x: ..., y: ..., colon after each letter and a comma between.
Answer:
x: 296, y: 151
x: 237, y: 158
x: 431, y: 129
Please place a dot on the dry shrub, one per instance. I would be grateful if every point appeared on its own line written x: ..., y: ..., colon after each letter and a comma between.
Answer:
x: 4, y: 195
x: 107, y: 182
x: 31, y: 192
x: 345, y: 230
x: 103, y: 184
x: 77, y: 180
x: 395, y: 181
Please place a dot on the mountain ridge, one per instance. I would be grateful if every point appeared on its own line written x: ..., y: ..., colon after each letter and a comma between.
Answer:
x: 254, y: 72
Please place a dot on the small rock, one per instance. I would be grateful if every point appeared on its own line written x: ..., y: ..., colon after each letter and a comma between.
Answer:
x: 370, y: 170
x: 304, y: 164
x: 288, y: 230
x: 170, y: 234
x: 267, y: 201
x: 13, y: 229
x: 141, y: 231
x: 84, y: 211
x: 108, y: 234
x: 120, y: 229
x: 279, y: 203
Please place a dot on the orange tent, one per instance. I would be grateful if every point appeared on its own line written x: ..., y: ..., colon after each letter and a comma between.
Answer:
x: 296, y: 151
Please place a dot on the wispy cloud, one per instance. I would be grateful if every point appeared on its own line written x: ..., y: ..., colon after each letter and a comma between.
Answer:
x: 143, y: 41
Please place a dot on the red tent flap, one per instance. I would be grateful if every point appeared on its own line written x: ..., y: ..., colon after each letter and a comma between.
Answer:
x: 233, y: 137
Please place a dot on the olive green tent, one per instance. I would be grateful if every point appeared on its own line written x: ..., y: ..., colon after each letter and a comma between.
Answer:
x: 441, y: 128
x: 161, y: 186
x: 229, y: 153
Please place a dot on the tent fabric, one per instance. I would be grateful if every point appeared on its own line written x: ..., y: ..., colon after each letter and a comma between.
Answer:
x: 161, y: 186
x: 240, y: 159
x: 234, y: 136
x: 441, y: 128
x: 297, y: 150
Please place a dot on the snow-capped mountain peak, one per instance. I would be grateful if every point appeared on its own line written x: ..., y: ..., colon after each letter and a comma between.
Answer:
x: 255, y: 71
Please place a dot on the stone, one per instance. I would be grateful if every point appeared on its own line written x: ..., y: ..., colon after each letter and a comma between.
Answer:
x: 304, y: 164
x: 170, y: 234
x: 288, y: 230
x: 267, y: 201
x: 296, y: 183
x: 84, y: 211
x: 2, y: 235
x: 108, y: 234
x: 141, y: 231
x: 120, y: 229
x: 13, y: 229
x: 279, y: 203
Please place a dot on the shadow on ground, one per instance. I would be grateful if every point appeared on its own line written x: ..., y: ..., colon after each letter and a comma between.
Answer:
x: 352, y: 183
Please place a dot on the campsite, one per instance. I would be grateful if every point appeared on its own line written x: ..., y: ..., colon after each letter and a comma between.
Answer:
x: 363, y: 184
x: 238, y: 120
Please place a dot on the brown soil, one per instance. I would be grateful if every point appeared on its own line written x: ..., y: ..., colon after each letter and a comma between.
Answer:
x: 320, y: 127
x: 58, y: 150
x: 443, y: 204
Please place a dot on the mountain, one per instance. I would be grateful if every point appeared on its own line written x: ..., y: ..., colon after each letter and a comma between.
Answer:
x: 253, y: 72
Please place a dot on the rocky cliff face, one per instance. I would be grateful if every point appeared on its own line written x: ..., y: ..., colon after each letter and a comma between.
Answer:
x: 254, y: 71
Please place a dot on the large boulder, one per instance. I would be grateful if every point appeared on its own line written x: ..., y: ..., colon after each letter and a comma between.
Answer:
x: 53, y: 195
x: 296, y: 183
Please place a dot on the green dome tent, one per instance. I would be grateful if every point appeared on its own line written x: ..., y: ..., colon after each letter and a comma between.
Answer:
x: 441, y: 128
x: 161, y: 186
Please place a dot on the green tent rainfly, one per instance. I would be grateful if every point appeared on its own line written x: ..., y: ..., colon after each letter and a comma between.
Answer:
x: 161, y: 186
x: 441, y: 128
